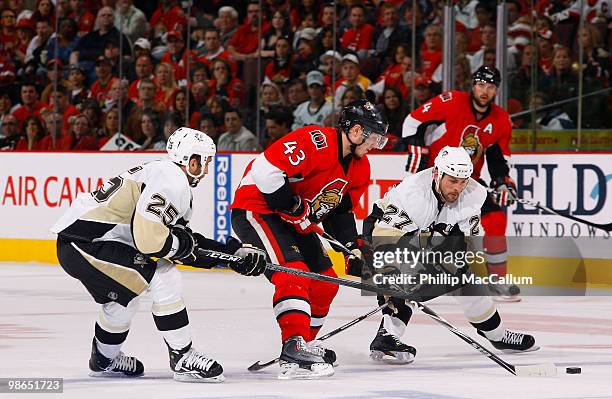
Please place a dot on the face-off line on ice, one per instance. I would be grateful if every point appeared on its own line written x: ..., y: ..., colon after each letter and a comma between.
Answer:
x: 123, y: 240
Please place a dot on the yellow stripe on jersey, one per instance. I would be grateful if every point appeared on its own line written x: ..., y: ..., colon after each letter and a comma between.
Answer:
x: 120, y: 207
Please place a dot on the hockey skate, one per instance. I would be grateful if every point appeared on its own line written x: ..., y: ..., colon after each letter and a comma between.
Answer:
x: 121, y: 366
x: 388, y: 344
x: 514, y: 342
x: 189, y: 365
x: 302, y: 360
x: 329, y: 355
x: 505, y: 292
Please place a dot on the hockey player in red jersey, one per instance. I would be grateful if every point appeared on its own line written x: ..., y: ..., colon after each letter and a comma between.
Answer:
x: 474, y: 122
x: 314, y: 174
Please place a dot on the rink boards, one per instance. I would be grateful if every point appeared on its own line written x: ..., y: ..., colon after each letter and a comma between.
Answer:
x: 36, y: 188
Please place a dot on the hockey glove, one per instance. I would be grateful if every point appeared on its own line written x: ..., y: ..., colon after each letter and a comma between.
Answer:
x: 417, y: 158
x: 186, y: 244
x: 254, y: 260
x: 299, y: 216
x: 353, y: 263
x: 505, y: 191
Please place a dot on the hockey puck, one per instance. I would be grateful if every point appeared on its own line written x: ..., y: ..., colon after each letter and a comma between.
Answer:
x: 573, y: 370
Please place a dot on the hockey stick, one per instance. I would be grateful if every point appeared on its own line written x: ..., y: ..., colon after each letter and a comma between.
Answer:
x: 259, y: 366
x: 536, y: 204
x: 223, y: 257
x: 537, y: 370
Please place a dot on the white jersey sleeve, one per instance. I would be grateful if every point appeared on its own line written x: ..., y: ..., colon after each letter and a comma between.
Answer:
x: 165, y: 198
x: 469, y: 205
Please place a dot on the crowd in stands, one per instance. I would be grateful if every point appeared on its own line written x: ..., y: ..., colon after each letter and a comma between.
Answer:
x: 86, y: 70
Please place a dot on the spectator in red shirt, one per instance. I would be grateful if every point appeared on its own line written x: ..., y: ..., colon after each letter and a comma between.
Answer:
x: 81, y: 137
x: 166, y: 85
x: 279, y: 69
x: 25, y: 34
x: 29, y: 103
x: 7, y: 67
x: 213, y: 49
x: 360, y: 35
x: 168, y: 17
x: 244, y: 44
x: 82, y: 16
x: 101, y: 87
x: 224, y: 84
x: 431, y: 54
x: 34, y: 135
x: 280, y: 27
x: 144, y: 70
x: 177, y: 55
x: 8, y: 33
x: 58, y: 102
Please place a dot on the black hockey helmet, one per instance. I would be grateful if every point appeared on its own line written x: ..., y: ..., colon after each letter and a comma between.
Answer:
x: 364, y: 113
x: 487, y: 74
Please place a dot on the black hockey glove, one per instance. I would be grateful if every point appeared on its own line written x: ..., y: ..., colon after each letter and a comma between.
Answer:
x: 505, y: 191
x: 186, y: 244
x: 254, y: 260
x: 417, y: 158
x: 354, y: 262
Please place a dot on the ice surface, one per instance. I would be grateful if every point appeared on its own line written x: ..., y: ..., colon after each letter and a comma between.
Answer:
x: 47, y: 320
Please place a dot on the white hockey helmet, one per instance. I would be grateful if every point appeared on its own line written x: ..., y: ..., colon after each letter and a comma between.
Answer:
x: 453, y: 161
x: 186, y: 142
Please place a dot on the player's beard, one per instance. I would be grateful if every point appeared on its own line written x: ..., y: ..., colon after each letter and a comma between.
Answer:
x: 479, y: 102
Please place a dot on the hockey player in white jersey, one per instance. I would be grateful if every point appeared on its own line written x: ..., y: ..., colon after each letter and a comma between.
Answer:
x: 440, y: 201
x: 107, y: 238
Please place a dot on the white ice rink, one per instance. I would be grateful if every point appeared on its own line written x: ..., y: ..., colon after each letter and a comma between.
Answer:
x: 47, y: 320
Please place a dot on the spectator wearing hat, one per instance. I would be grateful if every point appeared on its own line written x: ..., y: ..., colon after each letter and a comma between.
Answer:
x: 279, y: 69
x: 237, y: 137
x: 55, y: 73
x: 177, y: 56
x: 29, y: 103
x: 331, y: 65
x: 317, y: 108
x: 25, y: 34
x: 278, y: 123
x: 359, y: 37
x: 100, y: 87
x: 227, y: 23
x: 134, y: 21
x: 142, y: 46
x: 224, y: 84
x: 8, y: 31
x: 351, y: 76
x: 76, y: 83
x: 82, y: 16
x: 306, y: 58
x: 66, y: 41
x: 92, y: 45
x: 245, y: 41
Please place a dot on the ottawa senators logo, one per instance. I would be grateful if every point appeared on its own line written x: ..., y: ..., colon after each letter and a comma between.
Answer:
x: 469, y: 141
x: 328, y: 198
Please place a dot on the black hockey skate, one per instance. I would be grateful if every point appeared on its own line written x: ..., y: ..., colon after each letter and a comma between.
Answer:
x: 189, y: 365
x: 388, y: 344
x: 304, y: 360
x: 121, y: 366
x: 514, y: 342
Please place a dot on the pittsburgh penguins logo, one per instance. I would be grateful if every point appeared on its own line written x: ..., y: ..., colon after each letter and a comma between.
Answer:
x: 471, y: 143
x: 328, y: 198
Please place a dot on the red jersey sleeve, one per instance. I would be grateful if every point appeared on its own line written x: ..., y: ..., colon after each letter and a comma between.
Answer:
x: 438, y: 108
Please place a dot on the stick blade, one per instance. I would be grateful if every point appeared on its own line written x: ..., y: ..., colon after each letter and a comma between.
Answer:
x: 536, y: 370
x: 259, y: 366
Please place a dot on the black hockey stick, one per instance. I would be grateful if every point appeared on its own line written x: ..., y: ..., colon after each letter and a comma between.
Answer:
x: 226, y: 258
x: 537, y: 204
x: 538, y: 370
x: 259, y: 366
